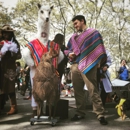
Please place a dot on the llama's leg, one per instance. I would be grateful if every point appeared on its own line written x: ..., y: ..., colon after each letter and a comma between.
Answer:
x: 33, y: 103
x: 39, y: 107
x: 55, y: 108
x: 42, y: 107
x: 50, y: 108
x: 34, y: 112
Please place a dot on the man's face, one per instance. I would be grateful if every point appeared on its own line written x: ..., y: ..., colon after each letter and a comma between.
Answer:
x: 78, y: 25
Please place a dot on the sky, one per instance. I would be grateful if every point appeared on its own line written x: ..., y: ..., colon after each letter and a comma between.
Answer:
x: 9, y: 3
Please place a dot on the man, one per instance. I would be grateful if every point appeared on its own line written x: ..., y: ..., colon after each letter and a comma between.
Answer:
x: 86, y: 52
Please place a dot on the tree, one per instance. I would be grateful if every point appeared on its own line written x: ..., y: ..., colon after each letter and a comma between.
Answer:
x: 110, y: 17
x: 4, y: 16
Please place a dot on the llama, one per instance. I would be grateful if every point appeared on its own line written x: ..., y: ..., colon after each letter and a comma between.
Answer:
x: 34, y: 50
x: 45, y: 84
x: 37, y: 47
x: 44, y: 23
x: 43, y: 27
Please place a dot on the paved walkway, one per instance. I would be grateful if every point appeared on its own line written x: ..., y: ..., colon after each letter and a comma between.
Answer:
x: 21, y: 120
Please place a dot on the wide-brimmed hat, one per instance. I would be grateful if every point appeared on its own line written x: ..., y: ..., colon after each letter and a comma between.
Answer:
x: 7, y: 28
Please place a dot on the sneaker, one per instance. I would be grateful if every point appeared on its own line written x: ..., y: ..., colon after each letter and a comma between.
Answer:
x: 22, y: 93
x: 103, y: 121
x: 27, y: 98
x: 77, y: 117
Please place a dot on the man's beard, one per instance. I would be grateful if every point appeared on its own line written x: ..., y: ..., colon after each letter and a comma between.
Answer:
x: 80, y: 30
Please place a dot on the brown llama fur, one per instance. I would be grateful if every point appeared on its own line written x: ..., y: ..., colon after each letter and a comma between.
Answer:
x: 45, y: 84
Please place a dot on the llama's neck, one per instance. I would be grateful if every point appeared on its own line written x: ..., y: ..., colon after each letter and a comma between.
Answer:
x: 43, y: 31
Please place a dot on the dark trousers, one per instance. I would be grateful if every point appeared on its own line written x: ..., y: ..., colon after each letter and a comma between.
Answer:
x: 18, y: 83
x: 103, y: 94
x: 2, y: 101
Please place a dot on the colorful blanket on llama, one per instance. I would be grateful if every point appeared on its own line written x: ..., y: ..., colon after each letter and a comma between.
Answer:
x: 89, y: 49
x: 37, y: 50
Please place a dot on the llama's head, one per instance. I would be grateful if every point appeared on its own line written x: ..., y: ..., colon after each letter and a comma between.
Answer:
x: 44, y: 12
x: 47, y: 57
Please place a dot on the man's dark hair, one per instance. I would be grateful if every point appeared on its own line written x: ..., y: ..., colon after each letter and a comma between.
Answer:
x: 80, y: 18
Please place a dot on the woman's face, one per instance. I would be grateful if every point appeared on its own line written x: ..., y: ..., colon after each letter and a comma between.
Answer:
x: 123, y: 62
x: 7, y: 35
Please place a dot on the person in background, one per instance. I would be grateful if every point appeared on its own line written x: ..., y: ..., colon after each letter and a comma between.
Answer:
x: 18, y: 68
x: 62, y: 63
x: 104, y: 81
x: 22, y: 82
x: 124, y: 70
x: 10, y: 52
x: 27, y: 82
x: 86, y: 52
x: 62, y: 59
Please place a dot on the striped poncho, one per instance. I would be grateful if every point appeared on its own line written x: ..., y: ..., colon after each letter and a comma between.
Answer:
x: 89, y: 49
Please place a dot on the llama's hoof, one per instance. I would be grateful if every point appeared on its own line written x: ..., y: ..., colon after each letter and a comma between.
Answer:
x: 38, y: 117
x: 49, y: 118
x: 32, y: 123
x: 53, y: 124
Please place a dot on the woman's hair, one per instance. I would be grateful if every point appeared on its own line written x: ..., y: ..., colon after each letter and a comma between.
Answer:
x: 124, y: 60
x: 1, y: 37
x: 11, y: 35
x: 59, y: 38
x: 1, y: 31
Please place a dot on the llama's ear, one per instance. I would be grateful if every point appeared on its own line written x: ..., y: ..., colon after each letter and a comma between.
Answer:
x: 39, y: 5
x: 51, y: 7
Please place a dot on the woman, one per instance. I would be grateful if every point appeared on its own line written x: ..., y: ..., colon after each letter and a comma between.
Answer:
x: 60, y: 61
x: 123, y: 71
x: 10, y: 52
